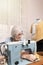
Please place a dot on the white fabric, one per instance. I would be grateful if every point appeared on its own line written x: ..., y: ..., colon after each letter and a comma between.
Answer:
x: 34, y: 29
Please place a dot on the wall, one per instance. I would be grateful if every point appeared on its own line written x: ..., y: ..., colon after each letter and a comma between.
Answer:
x: 31, y: 9
x: 20, y: 12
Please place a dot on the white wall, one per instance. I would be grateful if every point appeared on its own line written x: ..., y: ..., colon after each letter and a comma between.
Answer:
x: 20, y: 12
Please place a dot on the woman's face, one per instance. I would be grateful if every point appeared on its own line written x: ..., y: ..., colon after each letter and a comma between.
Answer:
x: 18, y: 37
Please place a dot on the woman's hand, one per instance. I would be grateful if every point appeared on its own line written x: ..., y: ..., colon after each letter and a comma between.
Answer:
x: 28, y: 56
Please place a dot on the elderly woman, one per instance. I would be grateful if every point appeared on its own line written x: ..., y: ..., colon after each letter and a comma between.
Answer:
x: 16, y: 34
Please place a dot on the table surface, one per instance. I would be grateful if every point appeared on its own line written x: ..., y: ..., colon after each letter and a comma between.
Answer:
x: 38, y: 62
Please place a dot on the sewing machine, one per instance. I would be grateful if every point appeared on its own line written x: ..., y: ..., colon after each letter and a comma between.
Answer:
x: 14, y: 49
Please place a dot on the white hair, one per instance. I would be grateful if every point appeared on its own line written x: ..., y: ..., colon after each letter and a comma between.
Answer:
x: 15, y: 30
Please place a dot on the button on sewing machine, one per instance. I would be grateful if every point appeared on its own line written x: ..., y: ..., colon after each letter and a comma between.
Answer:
x: 17, y: 62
